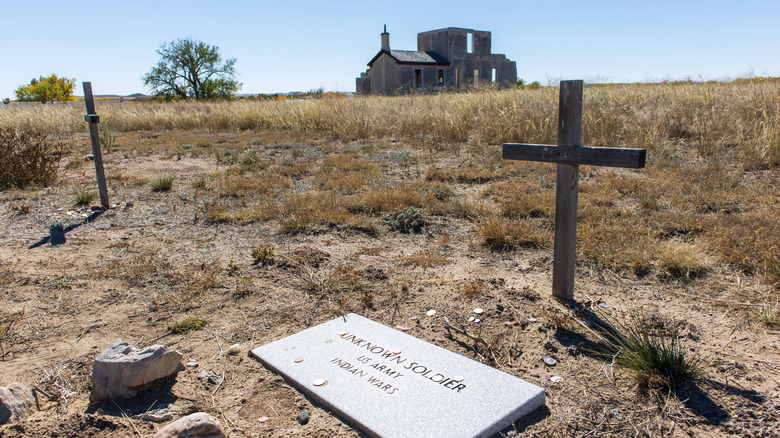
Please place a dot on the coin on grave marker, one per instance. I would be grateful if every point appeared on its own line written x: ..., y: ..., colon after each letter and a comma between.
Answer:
x: 319, y: 382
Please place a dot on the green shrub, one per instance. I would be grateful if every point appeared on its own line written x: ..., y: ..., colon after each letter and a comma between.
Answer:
x: 263, y: 255
x: 188, y: 325
x: 108, y: 140
x: 654, y: 355
x: 408, y: 219
x: 163, y: 183
x: 83, y: 197
x: 26, y: 158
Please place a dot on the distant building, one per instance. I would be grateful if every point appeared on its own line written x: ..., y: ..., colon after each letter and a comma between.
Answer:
x: 445, y: 58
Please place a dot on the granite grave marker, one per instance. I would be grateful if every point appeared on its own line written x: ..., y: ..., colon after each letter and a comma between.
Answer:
x: 390, y: 384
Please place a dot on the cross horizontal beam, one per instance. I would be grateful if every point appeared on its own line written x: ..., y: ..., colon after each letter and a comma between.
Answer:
x: 612, y: 157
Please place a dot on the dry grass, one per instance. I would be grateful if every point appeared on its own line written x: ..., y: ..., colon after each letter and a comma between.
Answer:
x: 426, y: 259
x: 706, y: 185
x: 682, y: 260
x: 710, y: 118
x: 501, y: 234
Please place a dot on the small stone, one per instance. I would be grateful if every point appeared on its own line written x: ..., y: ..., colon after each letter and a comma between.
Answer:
x: 234, y: 349
x: 319, y: 382
x: 209, y: 377
x: 532, y: 319
x: 414, y: 318
x: 431, y: 312
x: 89, y: 157
x: 602, y: 305
x: 471, y: 318
x: 478, y: 310
x: 192, y: 364
x: 397, y: 351
x: 549, y: 361
x: 403, y: 328
x: 199, y: 424
x: 298, y: 360
x: 262, y: 419
x: 96, y: 208
x: 16, y: 402
x: 556, y: 379
x: 509, y: 324
x: 476, y: 321
x: 302, y: 418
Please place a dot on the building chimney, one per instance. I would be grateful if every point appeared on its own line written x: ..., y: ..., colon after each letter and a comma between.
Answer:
x: 385, y: 40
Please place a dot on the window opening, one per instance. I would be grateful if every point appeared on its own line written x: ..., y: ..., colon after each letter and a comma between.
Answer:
x: 493, y: 76
x: 469, y: 42
x: 417, y: 78
x: 457, y: 78
x: 440, y: 79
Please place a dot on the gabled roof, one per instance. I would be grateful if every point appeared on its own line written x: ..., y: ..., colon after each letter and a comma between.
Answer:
x: 411, y: 57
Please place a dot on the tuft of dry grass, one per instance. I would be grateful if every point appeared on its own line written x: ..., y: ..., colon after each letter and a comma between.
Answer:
x: 502, y: 234
x: 472, y: 287
x: 426, y: 259
x: 682, y: 260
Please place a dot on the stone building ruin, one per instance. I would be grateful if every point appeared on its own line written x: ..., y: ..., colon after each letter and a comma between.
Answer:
x: 451, y: 58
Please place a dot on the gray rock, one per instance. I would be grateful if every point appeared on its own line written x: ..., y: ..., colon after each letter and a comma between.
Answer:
x: 303, y: 418
x: 122, y: 370
x: 200, y: 425
x: 16, y: 401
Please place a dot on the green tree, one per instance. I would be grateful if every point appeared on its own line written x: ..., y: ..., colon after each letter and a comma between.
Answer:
x: 190, y: 68
x: 47, y: 89
x: 522, y: 84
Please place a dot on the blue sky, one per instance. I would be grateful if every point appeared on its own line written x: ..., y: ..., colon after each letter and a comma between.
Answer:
x: 301, y: 45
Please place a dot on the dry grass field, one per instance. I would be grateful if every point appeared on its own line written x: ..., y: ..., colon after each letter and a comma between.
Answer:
x: 264, y: 218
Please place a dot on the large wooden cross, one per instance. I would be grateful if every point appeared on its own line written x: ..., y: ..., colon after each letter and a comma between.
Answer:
x: 569, y: 155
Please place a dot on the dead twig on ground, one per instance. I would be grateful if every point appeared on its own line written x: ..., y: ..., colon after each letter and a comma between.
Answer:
x: 475, y: 338
x: 86, y: 330
x: 218, y: 345
x: 127, y: 418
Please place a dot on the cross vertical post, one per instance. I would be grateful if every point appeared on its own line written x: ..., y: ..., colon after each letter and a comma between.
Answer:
x: 566, y: 187
x: 92, y: 118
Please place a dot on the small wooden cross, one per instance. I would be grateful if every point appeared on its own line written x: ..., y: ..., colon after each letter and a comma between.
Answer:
x: 569, y: 155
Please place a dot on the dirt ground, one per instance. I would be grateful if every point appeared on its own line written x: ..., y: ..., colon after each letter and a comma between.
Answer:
x: 86, y: 278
